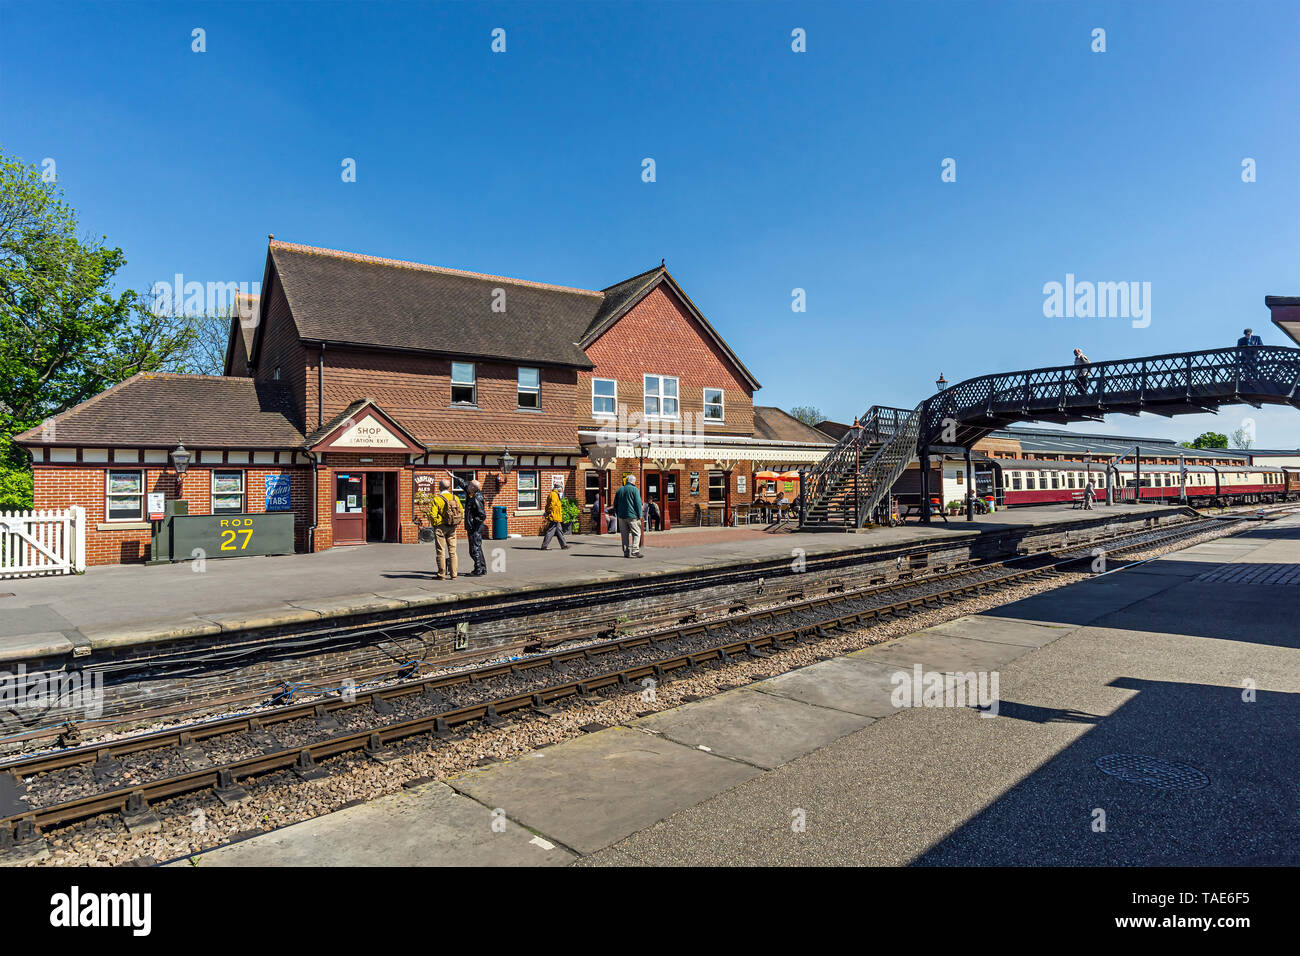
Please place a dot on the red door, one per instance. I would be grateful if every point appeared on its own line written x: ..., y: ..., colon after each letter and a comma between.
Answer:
x: 669, y: 506
x: 350, y: 508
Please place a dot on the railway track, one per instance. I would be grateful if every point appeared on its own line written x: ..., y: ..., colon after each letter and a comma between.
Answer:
x: 127, y: 775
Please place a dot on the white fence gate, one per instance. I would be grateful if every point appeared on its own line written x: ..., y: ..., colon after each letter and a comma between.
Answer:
x: 42, y: 542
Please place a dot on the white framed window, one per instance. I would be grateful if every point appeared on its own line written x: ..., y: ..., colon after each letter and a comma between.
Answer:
x: 227, y: 492
x: 717, y: 487
x: 1015, y: 481
x: 1031, y: 481
x: 530, y: 388
x: 604, y: 396
x: 464, y: 383
x: 591, y: 487
x: 124, y: 496
x: 661, y: 396
x: 526, y: 490
x: 713, y: 410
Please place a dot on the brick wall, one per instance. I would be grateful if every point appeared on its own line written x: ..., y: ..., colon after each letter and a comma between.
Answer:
x: 658, y: 336
x: 59, y: 486
x: 281, y: 349
x: 416, y: 390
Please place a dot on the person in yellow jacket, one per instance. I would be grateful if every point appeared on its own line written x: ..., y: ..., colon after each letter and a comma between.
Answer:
x: 554, y: 519
x: 445, y: 513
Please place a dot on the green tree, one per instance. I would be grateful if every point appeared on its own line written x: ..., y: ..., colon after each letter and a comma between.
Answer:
x: 808, y: 414
x: 1209, y: 440
x: 65, y: 334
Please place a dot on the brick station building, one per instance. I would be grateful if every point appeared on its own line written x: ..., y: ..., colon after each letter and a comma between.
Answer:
x: 362, y: 381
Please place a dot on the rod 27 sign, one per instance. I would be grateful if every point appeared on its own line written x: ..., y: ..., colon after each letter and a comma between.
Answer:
x: 277, y: 493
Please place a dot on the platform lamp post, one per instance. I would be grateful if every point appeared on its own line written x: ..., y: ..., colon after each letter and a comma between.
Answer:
x: 506, y: 464
x: 642, y: 443
x: 941, y: 383
x: 181, y: 462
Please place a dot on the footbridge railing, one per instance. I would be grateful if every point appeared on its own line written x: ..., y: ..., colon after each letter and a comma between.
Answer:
x: 1175, y: 384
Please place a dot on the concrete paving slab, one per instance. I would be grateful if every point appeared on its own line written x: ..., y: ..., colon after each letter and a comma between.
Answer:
x: 1001, y: 630
x: 431, y: 825
x: 357, y: 604
x: 181, y: 627
x: 591, y: 792
x: 761, y: 729
x: 942, y: 652
x: 1088, y: 600
x: 841, y: 683
x: 27, y: 646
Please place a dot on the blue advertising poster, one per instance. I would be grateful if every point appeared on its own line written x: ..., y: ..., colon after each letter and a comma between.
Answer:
x: 277, y: 492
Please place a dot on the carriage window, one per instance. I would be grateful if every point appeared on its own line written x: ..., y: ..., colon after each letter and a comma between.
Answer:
x: 1056, y: 480
x: 1030, y: 480
x: 1015, y: 481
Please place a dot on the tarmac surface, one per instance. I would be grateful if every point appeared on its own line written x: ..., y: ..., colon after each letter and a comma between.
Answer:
x: 123, y: 605
x: 1144, y: 717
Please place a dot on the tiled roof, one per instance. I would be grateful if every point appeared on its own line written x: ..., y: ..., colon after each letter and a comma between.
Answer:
x: 341, y: 297
x: 1056, y: 440
x: 156, y: 409
x: 773, y: 424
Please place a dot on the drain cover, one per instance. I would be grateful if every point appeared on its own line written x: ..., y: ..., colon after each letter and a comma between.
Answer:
x: 1153, y: 772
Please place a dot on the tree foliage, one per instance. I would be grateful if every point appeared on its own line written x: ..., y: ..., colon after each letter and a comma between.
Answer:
x: 65, y: 334
x: 1209, y: 440
x: 808, y: 414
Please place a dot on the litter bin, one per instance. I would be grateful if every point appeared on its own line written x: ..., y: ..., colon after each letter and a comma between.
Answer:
x: 499, y: 522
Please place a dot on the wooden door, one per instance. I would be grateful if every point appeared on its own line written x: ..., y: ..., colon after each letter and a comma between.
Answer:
x: 671, y: 509
x: 349, y: 519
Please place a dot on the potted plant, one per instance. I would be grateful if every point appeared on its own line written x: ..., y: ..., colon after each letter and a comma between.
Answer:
x: 570, y: 512
x: 954, y: 506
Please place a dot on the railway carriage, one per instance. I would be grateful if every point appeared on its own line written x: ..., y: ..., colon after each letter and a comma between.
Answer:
x: 1027, y: 482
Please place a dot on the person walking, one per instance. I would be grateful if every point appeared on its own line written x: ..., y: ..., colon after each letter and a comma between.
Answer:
x: 1248, y: 339
x: 475, y: 515
x: 554, y: 519
x: 1081, y: 371
x: 627, y: 506
x: 1089, y: 495
x: 445, y: 513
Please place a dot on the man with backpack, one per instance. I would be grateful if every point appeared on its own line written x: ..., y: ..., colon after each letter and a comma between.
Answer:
x: 445, y: 513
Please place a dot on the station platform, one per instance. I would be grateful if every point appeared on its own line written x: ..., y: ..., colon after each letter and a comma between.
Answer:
x: 1145, y: 717
x: 120, y: 606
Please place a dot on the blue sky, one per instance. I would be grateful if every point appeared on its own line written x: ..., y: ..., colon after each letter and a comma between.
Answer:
x: 775, y: 170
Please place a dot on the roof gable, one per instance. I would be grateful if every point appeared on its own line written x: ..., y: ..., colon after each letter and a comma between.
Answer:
x: 363, y: 425
x: 622, y: 297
